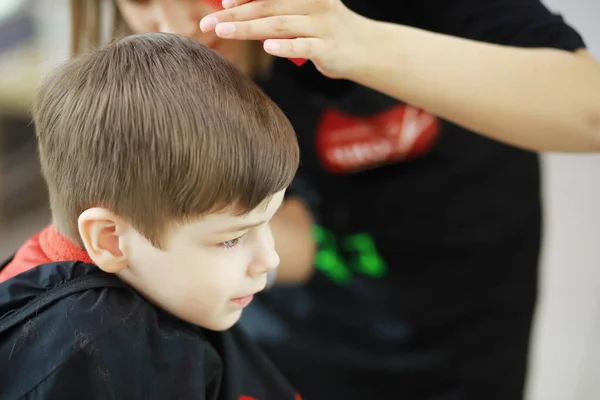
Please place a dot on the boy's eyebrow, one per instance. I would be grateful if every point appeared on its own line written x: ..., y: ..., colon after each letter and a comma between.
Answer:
x: 242, y: 227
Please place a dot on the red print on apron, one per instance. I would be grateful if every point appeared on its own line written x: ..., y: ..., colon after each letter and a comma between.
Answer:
x: 347, y: 143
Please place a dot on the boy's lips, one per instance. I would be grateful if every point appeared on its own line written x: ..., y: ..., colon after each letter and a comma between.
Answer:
x: 243, y: 301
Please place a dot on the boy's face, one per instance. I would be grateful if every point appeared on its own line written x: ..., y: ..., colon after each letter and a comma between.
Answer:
x: 209, y: 269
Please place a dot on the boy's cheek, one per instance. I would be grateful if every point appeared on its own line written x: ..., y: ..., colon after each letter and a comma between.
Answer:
x: 208, y: 306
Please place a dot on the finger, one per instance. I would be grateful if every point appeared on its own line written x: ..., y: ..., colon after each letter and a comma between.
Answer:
x: 258, y: 9
x: 312, y: 4
x: 233, y: 3
x: 245, y: 12
x: 308, y: 48
x: 268, y: 28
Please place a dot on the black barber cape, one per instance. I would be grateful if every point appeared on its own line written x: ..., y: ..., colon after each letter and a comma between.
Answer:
x: 70, y: 331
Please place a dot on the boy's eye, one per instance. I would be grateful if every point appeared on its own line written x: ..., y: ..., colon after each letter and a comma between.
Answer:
x: 229, y: 244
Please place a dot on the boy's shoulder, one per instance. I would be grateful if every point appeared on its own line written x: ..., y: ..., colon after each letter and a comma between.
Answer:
x: 68, y: 329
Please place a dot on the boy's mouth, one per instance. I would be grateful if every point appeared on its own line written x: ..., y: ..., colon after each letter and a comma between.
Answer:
x: 243, y: 301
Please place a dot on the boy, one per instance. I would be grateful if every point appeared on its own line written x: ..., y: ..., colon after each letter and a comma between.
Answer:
x: 164, y: 166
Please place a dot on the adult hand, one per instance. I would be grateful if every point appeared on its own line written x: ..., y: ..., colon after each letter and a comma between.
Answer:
x: 324, y: 31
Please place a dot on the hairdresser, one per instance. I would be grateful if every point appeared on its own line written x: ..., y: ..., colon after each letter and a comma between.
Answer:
x: 418, y: 123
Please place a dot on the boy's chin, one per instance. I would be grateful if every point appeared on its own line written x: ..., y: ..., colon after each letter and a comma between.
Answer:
x: 222, y: 323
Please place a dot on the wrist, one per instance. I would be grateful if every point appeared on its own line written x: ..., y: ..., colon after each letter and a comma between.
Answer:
x: 379, y: 53
x: 354, y: 45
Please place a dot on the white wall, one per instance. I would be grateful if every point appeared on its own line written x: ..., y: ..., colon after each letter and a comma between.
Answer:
x: 566, y: 350
x: 54, y: 24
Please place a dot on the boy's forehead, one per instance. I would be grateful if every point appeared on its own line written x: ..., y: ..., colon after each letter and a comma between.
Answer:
x: 230, y: 218
x: 271, y: 204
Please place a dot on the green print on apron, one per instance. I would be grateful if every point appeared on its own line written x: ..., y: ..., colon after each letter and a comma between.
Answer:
x: 340, y: 259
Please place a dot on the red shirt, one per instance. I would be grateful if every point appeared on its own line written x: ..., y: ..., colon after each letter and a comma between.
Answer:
x: 44, y: 247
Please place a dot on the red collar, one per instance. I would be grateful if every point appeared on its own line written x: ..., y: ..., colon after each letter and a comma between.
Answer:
x: 45, y: 247
x: 58, y: 248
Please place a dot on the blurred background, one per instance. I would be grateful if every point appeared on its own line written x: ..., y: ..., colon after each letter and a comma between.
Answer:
x: 565, y: 359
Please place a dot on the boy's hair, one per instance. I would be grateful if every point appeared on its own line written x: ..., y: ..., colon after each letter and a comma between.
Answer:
x: 158, y: 129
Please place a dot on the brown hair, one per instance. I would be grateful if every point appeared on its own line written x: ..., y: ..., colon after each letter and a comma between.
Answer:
x: 158, y: 129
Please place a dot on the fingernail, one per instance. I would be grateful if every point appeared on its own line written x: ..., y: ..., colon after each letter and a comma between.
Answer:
x: 228, y: 3
x: 272, y: 45
x: 225, y: 29
x: 208, y: 24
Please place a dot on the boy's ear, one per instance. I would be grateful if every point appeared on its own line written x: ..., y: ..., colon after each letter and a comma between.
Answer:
x: 103, y: 235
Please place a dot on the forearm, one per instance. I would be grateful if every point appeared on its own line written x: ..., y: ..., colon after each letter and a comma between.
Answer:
x: 539, y: 99
x: 294, y: 242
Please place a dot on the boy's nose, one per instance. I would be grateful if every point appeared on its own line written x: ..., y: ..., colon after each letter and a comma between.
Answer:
x: 265, y: 262
x: 271, y: 257
x: 271, y: 260
x: 267, y: 258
